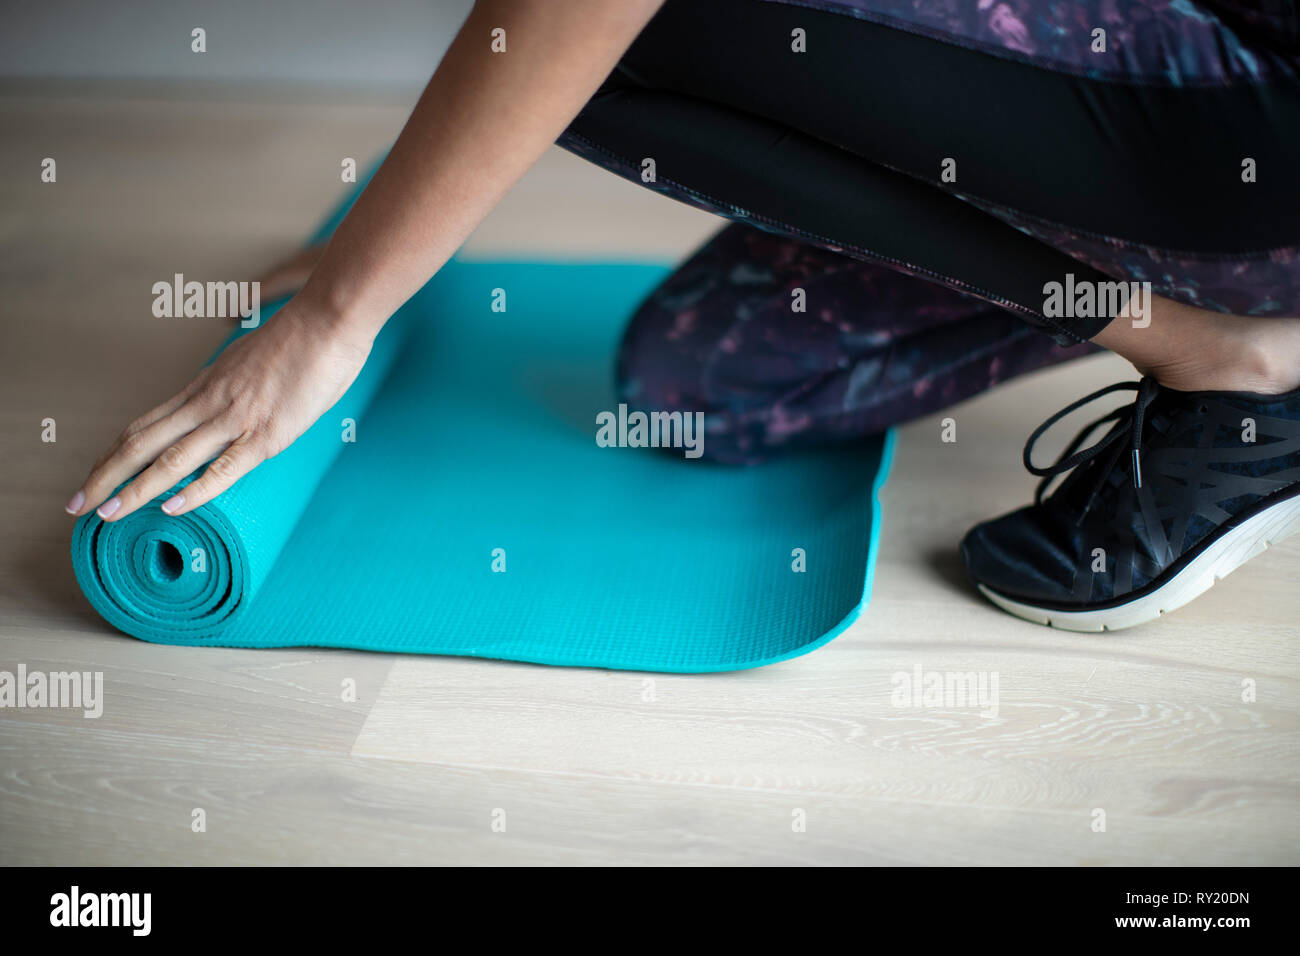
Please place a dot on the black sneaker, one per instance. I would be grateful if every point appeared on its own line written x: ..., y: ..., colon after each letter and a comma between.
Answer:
x: 1183, y: 489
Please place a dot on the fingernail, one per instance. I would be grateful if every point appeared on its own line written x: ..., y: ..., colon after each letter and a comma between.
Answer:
x: 109, y: 507
x: 75, y: 502
x: 173, y: 504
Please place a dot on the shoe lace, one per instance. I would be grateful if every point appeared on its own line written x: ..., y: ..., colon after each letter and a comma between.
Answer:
x: 1128, y: 418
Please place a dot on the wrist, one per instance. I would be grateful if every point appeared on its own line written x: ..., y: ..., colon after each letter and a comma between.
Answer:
x: 326, y: 312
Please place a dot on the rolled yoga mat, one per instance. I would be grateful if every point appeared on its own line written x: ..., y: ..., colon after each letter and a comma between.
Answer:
x: 475, y: 514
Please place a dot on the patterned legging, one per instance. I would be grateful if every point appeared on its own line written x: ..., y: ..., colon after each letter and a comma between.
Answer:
x: 914, y: 174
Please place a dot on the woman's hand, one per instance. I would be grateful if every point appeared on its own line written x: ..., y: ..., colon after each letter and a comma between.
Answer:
x: 485, y: 117
x: 260, y: 394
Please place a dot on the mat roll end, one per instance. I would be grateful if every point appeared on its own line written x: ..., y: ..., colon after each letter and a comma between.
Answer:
x: 179, y: 580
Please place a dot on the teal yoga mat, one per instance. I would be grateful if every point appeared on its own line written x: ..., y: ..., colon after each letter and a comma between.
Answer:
x: 475, y: 431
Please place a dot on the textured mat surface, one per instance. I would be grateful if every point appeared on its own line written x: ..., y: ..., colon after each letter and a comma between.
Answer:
x: 476, y: 432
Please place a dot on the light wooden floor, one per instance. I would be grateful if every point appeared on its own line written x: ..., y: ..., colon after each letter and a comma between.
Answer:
x: 1148, y: 725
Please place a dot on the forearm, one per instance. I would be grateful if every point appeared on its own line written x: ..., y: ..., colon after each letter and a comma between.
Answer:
x: 482, y: 121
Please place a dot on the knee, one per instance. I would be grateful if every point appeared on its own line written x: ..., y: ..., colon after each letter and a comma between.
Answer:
x: 665, y: 364
x: 658, y: 365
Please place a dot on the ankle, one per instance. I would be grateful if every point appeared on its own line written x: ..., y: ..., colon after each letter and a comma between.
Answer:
x: 1241, y: 362
x: 1194, y: 350
x: 1268, y: 360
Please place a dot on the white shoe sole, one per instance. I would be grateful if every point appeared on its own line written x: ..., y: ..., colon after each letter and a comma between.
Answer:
x: 1215, y: 563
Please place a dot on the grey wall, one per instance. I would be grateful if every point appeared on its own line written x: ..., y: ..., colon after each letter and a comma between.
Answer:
x: 375, y: 44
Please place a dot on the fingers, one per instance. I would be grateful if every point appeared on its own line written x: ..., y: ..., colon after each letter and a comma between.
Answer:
x: 232, y: 410
x: 150, y: 417
x: 136, y: 447
x: 173, y: 463
x: 236, y: 461
x: 167, y: 407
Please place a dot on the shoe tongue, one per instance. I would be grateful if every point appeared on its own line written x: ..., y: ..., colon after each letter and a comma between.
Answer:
x: 1160, y: 416
x: 1077, y: 486
x: 1163, y: 408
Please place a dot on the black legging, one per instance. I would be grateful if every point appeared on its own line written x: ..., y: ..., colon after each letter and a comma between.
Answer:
x: 843, y: 145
